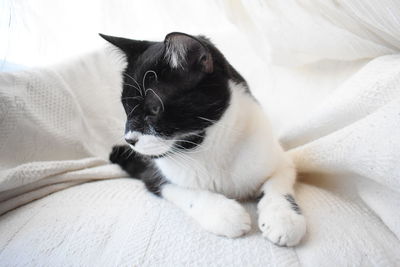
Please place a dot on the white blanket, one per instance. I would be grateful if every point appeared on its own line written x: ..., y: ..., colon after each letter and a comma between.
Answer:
x: 337, y: 111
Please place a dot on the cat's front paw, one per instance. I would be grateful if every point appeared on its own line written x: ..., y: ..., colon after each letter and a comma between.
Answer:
x: 119, y: 154
x: 282, y: 225
x: 225, y: 217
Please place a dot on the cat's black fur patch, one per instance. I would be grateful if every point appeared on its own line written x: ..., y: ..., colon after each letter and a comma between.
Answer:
x: 293, y: 203
x: 139, y: 167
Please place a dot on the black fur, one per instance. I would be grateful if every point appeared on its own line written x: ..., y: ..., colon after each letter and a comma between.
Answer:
x: 293, y: 203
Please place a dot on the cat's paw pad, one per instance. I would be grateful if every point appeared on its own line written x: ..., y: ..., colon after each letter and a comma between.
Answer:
x: 282, y: 225
x: 226, y: 217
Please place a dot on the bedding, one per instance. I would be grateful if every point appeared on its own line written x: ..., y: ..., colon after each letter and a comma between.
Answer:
x: 335, y: 105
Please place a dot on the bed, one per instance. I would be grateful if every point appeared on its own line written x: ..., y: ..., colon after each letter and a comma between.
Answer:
x: 326, y: 72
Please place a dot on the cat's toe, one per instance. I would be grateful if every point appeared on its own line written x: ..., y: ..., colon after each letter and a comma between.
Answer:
x: 282, y: 226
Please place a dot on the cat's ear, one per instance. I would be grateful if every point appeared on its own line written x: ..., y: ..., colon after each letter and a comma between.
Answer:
x: 185, y: 51
x: 132, y: 48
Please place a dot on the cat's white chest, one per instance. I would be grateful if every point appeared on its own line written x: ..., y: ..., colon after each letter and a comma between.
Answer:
x: 237, y: 173
x: 188, y: 172
x: 236, y: 157
x: 198, y: 175
x: 196, y: 171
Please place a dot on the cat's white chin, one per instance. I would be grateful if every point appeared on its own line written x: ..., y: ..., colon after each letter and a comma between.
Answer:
x: 150, y: 145
x: 152, y: 150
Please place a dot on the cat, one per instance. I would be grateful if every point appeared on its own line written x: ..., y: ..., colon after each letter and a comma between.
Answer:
x: 198, y: 138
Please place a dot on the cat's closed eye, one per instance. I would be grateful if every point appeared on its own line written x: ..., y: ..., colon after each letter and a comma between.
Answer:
x: 153, y: 110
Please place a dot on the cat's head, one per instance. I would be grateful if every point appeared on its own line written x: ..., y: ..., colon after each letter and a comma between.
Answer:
x: 172, y: 91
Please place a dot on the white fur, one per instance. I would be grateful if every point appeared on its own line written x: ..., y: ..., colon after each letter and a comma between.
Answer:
x: 280, y: 224
x: 214, y: 212
x: 149, y: 144
x: 236, y: 160
x: 176, y: 54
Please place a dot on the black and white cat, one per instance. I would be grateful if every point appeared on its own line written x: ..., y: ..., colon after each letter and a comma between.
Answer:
x: 198, y: 138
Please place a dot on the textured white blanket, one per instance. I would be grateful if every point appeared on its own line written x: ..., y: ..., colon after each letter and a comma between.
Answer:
x: 339, y: 119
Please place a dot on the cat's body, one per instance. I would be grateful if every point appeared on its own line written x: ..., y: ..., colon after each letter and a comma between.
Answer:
x: 202, y: 140
x: 229, y: 160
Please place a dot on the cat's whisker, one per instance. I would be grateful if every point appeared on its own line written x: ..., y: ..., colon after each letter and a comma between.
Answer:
x: 126, y: 151
x: 183, y: 163
x: 197, y: 133
x: 174, y: 160
x: 186, y: 157
x: 220, y: 124
x: 194, y: 134
x: 194, y: 151
x: 203, y: 170
x: 155, y: 74
x: 159, y: 98
x: 133, y: 79
x: 190, y: 161
x: 186, y: 141
x: 132, y: 151
x: 198, y: 147
x: 131, y: 85
x: 137, y: 89
x: 132, y: 97
x: 144, y: 79
x: 206, y: 119
x: 133, y: 110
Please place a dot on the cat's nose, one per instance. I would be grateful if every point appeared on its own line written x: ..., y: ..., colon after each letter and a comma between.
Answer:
x: 131, y: 141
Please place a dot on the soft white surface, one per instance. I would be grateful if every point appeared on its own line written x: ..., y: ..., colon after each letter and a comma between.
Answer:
x: 318, y: 67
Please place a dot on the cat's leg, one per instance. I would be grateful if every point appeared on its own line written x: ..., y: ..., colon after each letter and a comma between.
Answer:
x: 214, y: 212
x: 280, y: 218
x: 138, y: 167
